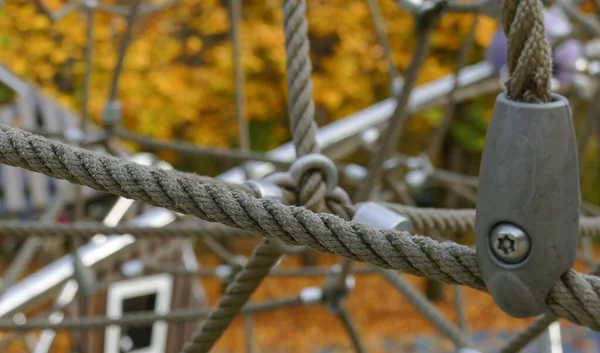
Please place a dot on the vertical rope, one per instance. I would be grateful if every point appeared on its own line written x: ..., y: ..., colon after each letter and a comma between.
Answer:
x: 529, y: 59
x: 312, y: 190
x: 301, y: 107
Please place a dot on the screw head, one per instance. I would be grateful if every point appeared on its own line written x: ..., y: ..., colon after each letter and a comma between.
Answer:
x: 509, y: 243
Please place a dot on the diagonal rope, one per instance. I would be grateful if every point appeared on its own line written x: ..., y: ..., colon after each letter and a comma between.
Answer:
x: 529, y: 60
x: 575, y: 296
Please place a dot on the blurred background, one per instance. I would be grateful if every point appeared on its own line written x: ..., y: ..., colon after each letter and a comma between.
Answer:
x: 178, y: 83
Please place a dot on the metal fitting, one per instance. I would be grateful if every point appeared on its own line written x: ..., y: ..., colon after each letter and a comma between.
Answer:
x: 355, y: 173
x: 380, y: 217
x: 509, y: 243
x: 223, y: 272
x: 265, y: 189
x: 369, y: 137
x: 311, y: 295
x: 112, y: 114
x: 527, y: 217
x: 318, y: 162
x: 427, y: 13
x: 74, y: 136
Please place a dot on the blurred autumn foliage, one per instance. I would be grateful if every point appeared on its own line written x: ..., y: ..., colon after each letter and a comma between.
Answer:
x: 178, y: 81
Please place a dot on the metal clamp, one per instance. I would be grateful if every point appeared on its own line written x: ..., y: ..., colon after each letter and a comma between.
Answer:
x: 381, y: 217
x: 318, y: 162
x: 112, y: 114
x: 311, y: 296
x: 527, y: 219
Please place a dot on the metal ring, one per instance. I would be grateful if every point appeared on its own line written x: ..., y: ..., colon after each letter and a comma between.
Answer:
x: 315, y: 162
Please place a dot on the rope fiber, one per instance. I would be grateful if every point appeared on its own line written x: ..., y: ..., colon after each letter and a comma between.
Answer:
x: 575, y: 296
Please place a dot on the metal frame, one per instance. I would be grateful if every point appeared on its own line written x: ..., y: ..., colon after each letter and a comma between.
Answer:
x: 162, y: 285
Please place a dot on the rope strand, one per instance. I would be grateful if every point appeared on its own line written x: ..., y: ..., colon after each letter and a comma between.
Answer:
x: 529, y: 60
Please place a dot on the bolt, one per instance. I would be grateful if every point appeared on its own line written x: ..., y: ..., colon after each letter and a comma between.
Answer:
x: 509, y: 243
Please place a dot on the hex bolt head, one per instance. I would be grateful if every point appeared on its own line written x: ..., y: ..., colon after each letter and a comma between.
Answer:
x: 509, y: 243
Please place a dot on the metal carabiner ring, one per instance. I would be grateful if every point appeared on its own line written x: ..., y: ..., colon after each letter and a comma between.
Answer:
x: 315, y: 162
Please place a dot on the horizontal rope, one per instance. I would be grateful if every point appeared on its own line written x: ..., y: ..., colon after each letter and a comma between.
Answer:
x: 137, y: 319
x: 189, y: 148
x: 16, y: 229
x: 424, y: 219
x: 463, y: 220
x: 575, y: 296
x: 306, y: 271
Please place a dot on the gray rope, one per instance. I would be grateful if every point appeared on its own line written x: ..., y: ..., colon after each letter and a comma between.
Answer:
x: 191, y: 149
x: 574, y: 297
x: 137, y: 319
x: 307, y: 271
x: 28, y: 250
x: 350, y: 325
x: 236, y: 295
x: 398, y: 119
x: 15, y: 229
x: 530, y: 333
x: 426, y: 308
x: 301, y: 107
x: 312, y: 190
x: 463, y: 220
x: 529, y: 60
x: 235, y: 14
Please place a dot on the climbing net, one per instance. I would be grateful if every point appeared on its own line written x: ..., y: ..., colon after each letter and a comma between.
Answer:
x: 295, y: 202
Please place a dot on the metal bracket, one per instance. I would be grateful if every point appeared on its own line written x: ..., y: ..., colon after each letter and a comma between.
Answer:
x: 527, y: 220
x: 381, y: 217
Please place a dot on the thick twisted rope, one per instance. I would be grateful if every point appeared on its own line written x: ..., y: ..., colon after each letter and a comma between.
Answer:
x: 529, y: 60
x: 312, y: 188
x: 575, y: 296
x: 424, y: 219
x: 301, y: 107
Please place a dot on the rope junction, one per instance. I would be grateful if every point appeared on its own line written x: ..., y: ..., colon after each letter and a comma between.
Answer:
x: 305, y: 207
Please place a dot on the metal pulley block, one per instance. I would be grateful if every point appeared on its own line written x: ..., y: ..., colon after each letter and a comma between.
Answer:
x: 527, y: 219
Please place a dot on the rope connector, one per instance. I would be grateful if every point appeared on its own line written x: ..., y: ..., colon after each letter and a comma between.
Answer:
x: 527, y: 218
x: 318, y: 162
